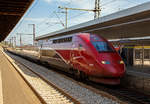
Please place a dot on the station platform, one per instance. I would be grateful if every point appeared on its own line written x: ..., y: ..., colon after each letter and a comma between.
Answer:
x: 13, y: 89
x: 137, y: 78
x: 140, y: 69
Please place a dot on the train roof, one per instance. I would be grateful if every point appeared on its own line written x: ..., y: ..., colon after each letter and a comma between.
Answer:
x: 128, y: 23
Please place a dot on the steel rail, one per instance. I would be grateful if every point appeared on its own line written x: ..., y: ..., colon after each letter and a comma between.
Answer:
x: 122, y: 93
x: 50, y: 83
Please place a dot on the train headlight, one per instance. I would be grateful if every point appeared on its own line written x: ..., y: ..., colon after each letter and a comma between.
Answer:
x: 121, y: 62
x: 105, y: 62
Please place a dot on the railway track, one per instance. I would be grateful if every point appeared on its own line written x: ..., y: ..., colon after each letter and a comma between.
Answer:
x: 57, y: 91
x: 123, y: 94
x: 135, y: 97
x: 47, y: 92
x: 132, y: 97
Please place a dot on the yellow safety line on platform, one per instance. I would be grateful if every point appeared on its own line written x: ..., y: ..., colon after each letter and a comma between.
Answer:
x: 1, y: 90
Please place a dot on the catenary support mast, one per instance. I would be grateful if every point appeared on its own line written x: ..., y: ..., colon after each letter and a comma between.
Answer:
x: 97, y: 8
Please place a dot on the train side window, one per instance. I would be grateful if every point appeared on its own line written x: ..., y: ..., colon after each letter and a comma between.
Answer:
x: 62, y: 40
x: 54, y: 41
x: 70, y: 39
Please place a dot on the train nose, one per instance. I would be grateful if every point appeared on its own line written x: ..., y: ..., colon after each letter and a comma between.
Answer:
x: 111, y: 64
x: 114, y: 70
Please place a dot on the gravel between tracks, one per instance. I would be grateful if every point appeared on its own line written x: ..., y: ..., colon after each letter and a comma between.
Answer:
x: 83, y: 95
x: 49, y: 94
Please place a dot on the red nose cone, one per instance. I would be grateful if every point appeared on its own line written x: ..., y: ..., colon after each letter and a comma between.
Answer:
x: 114, y: 71
x: 112, y: 68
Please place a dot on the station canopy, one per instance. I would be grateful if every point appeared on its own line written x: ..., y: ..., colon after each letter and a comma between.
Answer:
x: 145, y: 41
x: 128, y: 23
x: 11, y: 12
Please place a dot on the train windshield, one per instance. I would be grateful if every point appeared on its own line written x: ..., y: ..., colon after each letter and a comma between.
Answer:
x: 102, y: 46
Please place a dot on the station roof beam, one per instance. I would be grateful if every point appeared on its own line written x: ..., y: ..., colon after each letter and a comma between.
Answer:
x: 11, y: 12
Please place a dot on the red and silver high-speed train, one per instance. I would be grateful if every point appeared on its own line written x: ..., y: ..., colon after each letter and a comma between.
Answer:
x: 85, y: 55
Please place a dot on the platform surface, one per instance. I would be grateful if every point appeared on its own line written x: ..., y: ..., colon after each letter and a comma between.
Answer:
x: 144, y: 69
x: 13, y: 89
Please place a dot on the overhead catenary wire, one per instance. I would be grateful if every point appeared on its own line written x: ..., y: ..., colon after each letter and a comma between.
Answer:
x: 68, y: 19
x: 20, y: 23
x: 51, y: 15
x: 42, y: 22
x: 69, y: 3
x: 108, y: 3
x: 112, y: 1
x: 59, y: 19
x: 36, y: 2
x: 131, y: 1
x: 26, y: 15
